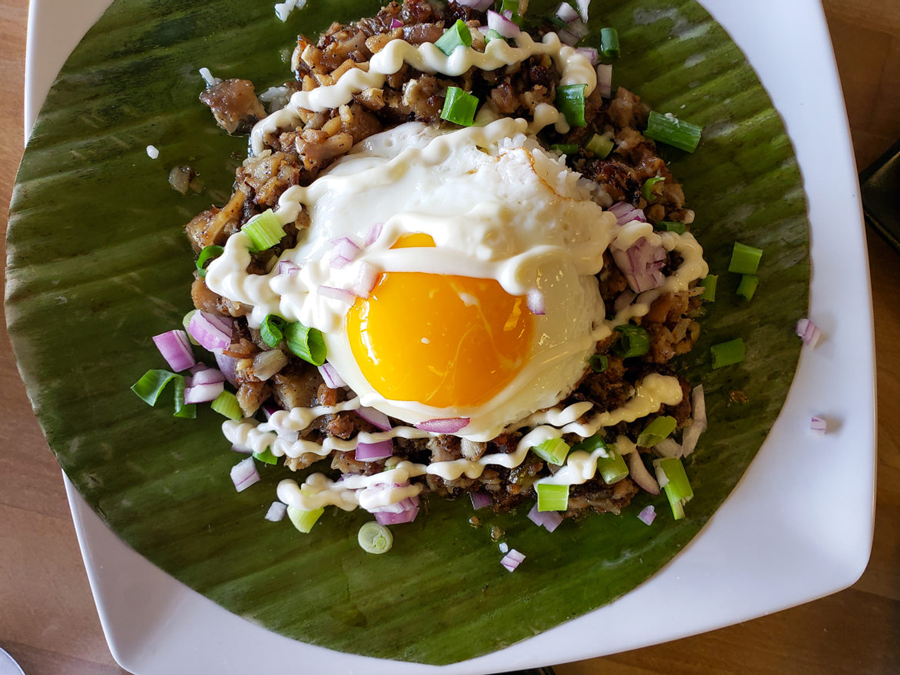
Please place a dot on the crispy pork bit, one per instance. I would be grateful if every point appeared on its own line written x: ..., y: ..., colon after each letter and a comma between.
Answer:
x: 234, y: 105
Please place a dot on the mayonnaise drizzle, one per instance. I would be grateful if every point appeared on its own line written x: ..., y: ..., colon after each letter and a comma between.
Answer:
x: 574, y: 68
x: 650, y: 395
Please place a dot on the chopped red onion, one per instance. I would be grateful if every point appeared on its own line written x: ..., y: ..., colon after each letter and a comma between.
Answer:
x: 345, y: 248
x: 548, y: 519
x: 408, y: 510
x: 640, y: 475
x: 818, y: 426
x: 590, y: 54
x: 624, y: 299
x: 366, y: 278
x: 447, y: 425
x: 667, y: 447
x: 604, y: 80
x: 809, y: 331
x: 288, y: 268
x: 512, y: 560
x: 227, y: 364
x: 625, y: 213
x: 502, y: 25
x: 375, y: 417
x: 567, y: 37
x: 566, y: 13
x: 578, y: 28
x: 648, y: 515
x: 396, y: 23
x: 225, y: 323
x: 176, y: 349
x: 369, y: 452
x: 535, y: 302
x: 208, y: 330
x: 204, y: 393
x: 480, y: 499
x: 244, y: 474
x: 479, y: 5
x: 337, y: 294
x: 698, y: 424
x: 641, y: 263
x: 583, y: 8
x: 331, y: 377
x: 373, y: 233
x: 198, y: 368
x: 338, y: 263
x: 207, y: 376
x: 276, y: 512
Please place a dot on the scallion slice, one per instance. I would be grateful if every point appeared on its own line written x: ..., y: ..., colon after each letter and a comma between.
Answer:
x: 227, y: 404
x: 612, y: 468
x: 599, y: 363
x: 709, y: 287
x: 151, y: 385
x: 182, y: 409
x: 304, y: 520
x: 207, y: 254
x: 748, y: 285
x: 744, y: 259
x: 492, y: 35
x: 570, y: 102
x: 669, y: 226
x: 264, y: 230
x: 609, y: 42
x: 307, y: 343
x: 600, y: 145
x: 672, y: 131
x: 266, y: 456
x: 375, y: 538
x: 271, y: 330
x: 459, y: 107
x: 647, y: 189
x: 553, y: 450
x: 565, y: 148
x: 457, y: 35
x: 727, y: 353
x: 552, y: 497
x: 659, y: 429
x: 633, y: 341
x: 677, y: 486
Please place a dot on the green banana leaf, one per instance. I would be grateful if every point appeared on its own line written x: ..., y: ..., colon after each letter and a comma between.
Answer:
x: 98, y: 263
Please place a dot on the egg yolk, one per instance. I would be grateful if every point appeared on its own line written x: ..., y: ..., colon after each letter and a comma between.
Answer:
x: 440, y: 340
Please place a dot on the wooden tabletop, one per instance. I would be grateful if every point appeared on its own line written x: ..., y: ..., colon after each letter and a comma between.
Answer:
x: 47, y: 616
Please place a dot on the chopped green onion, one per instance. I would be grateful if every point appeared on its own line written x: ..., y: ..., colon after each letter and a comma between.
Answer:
x: 375, y: 538
x: 304, y: 520
x: 600, y: 145
x: 647, y: 190
x: 744, y: 259
x: 570, y: 101
x: 307, y: 343
x: 459, y: 107
x: 227, y: 404
x: 669, y: 226
x: 271, y: 330
x: 677, y: 486
x: 672, y: 131
x: 552, y: 497
x: 492, y: 35
x: 599, y: 363
x: 553, y: 450
x: 266, y: 456
x: 709, y: 287
x: 727, y: 353
x: 151, y: 384
x: 206, y: 254
x: 182, y: 409
x: 186, y: 321
x: 748, y: 285
x: 264, y: 230
x: 591, y: 443
x: 633, y: 341
x: 609, y: 42
x: 565, y: 148
x: 612, y: 468
x: 457, y: 35
x: 657, y: 430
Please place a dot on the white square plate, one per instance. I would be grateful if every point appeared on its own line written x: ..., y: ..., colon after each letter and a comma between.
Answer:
x: 778, y: 541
